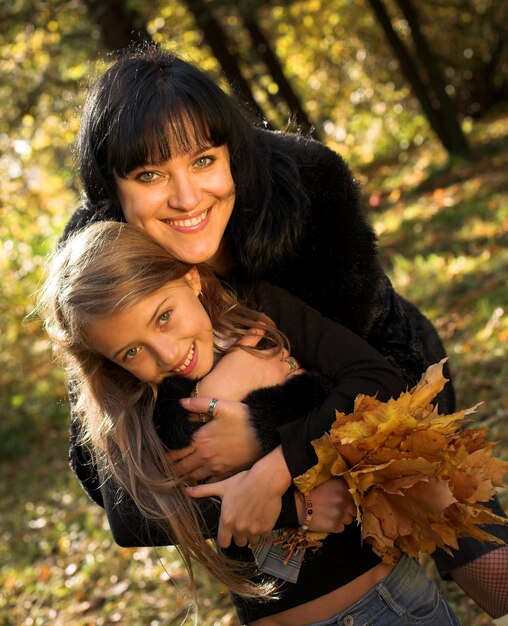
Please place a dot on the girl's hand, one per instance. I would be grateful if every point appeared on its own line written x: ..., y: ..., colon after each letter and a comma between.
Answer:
x: 251, y: 501
x: 220, y: 448
x: 238, y: 372
x: 332, y: 504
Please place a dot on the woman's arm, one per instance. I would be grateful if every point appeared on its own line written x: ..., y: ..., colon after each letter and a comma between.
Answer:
x: 347, y: 360
x: 351, y: 364
x: 128, y: 525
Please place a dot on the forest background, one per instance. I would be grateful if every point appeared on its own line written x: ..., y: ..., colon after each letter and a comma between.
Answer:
x: 414, y: 97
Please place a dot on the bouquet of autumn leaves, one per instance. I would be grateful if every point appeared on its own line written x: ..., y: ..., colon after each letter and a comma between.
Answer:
x: 416, y: 477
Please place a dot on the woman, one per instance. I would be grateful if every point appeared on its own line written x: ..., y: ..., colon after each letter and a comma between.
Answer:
x: 162, y: 147
x: 132, y: 323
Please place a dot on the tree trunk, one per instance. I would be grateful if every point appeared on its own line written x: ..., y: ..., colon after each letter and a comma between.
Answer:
x: 456, y: 138
x: 119, y: 25
x: 218, y: 41
x: 271, y: 61
x: 409, y: 68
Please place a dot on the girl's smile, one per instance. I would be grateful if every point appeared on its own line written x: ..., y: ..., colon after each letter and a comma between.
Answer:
x: 168, y: 333
x: 186, y: 366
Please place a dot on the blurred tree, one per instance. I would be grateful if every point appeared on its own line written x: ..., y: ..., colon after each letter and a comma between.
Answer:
x: 429, y: 88
x: 475, y: 52
x: 119, y: 21
x: 223, y: 48
x: 262, y: 46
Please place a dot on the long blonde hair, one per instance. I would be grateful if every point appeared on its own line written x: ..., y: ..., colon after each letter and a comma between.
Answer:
x: 102, y: 270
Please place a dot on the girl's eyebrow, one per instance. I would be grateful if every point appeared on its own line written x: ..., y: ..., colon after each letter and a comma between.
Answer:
x: 156, y: 314
x: 150, y: 321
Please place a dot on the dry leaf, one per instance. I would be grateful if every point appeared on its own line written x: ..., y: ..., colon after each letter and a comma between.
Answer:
x: 417, y: 478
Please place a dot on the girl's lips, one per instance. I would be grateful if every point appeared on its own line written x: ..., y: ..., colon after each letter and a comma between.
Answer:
x: 187, y: 365
x: 191, y: 223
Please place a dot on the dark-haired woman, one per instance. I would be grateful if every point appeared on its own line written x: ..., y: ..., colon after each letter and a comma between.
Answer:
x: 163, y: 147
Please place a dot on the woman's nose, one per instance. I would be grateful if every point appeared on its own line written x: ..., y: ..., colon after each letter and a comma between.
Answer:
x: 184, y: 193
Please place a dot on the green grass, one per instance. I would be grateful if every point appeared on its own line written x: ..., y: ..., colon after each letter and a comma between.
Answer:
x: 443, y: 231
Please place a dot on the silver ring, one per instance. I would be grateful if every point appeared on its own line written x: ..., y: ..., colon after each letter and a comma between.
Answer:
x: 293, y: 366
x: 211, y: 406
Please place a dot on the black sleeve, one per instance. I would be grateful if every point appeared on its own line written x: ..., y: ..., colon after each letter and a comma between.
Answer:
x: 128, y: 525
x: 320, y: 344
x: 80, y: 458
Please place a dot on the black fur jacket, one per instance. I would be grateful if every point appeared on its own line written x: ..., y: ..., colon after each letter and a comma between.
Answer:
x: 298, y: 396
x: 300, y: 226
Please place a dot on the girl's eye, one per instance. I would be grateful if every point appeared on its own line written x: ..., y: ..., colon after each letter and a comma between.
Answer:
x: 164, y: 317
x: 131, y: 353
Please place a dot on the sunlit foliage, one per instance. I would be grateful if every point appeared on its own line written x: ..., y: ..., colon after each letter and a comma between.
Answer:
x: 442, y: 231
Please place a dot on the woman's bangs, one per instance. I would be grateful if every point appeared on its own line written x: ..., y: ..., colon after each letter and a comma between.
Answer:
x: 159, y: 131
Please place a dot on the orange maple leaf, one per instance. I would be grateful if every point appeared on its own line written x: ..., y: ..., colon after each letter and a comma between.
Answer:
x: 417, y: 479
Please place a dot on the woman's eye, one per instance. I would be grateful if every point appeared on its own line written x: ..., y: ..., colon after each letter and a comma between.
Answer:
x: 164, y: 317
x: 131, y: 353
x: 146, y: 176
x: 204, y: 161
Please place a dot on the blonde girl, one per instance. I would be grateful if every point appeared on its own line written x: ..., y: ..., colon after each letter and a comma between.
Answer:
x: 129, y: 321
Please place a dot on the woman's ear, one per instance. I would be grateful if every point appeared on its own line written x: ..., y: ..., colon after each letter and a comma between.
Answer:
x: 194, y: 280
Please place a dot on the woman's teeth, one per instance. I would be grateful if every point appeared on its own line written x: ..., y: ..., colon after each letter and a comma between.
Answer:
x: 192, y: 221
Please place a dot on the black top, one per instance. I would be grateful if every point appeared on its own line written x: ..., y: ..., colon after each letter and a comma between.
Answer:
x: 353, y: 367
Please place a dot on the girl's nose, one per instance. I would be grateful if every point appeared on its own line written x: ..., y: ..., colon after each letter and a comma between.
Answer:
x: 184, y: 194
x: 167, y: 353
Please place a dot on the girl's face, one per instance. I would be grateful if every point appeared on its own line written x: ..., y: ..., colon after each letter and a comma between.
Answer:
x: 184, y: 203
x: 166, y: 334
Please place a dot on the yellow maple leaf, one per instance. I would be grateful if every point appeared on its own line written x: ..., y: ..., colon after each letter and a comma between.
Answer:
x: 417, y: 479
x: 320, y: 472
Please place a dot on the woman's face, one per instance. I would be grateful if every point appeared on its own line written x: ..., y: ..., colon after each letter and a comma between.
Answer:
x: 166, y: 334
x: 184, y: 203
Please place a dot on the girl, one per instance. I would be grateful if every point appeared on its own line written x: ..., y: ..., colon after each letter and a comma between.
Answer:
x: 134, y: 323
x: 163, y: 147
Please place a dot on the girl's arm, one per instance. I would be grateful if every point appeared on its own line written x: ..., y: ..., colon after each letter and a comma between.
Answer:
x: 251, y: 502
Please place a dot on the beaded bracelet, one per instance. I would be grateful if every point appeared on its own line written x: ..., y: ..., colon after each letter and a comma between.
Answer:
x: 309, y: 511
x: 194, y: 392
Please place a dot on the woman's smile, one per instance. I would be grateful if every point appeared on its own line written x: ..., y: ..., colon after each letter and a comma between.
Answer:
x: 184, y: 204
x: 191, y: 223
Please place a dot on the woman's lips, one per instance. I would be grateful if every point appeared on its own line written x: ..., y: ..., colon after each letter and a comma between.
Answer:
x: 190, y: 223
x: 187, y: 365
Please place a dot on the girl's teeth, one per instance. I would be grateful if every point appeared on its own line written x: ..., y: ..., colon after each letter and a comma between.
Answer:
x: 187, y: 360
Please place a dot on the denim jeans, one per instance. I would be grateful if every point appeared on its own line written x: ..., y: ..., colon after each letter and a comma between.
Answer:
x: 406, y: 596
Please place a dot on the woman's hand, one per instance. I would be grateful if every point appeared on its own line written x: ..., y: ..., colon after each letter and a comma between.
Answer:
x: 239, y: 372
x: 251, y: 501
x: 332, y: 504
x: 220, y: 448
